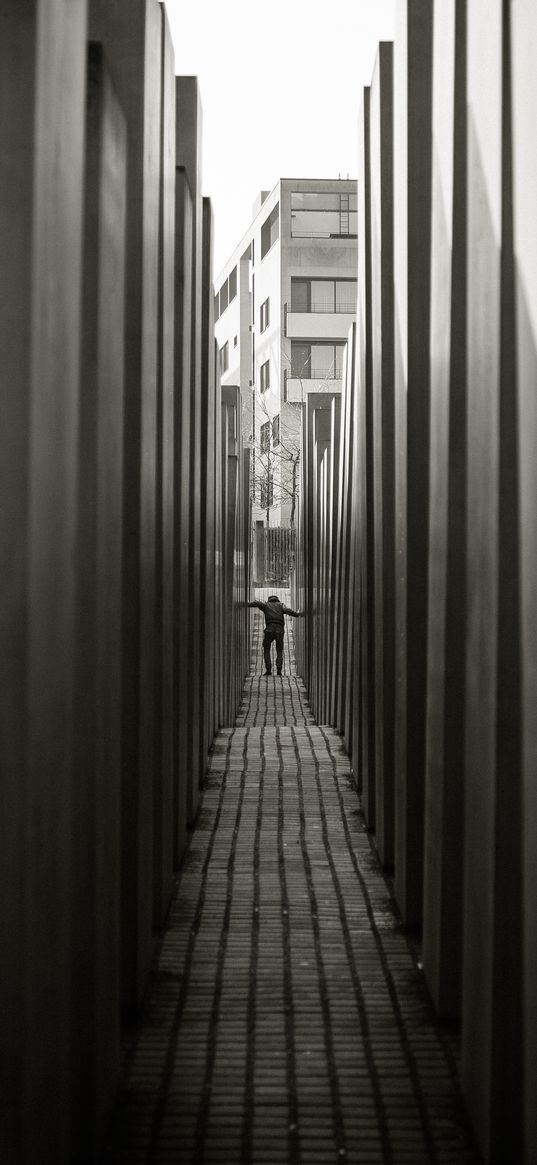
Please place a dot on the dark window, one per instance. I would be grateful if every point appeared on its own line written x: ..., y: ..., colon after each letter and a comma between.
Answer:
x: 270, y: 231
x: 320, y: 215
x: 265, y: 376
x: 267, y: 491
x: 233, y: 284
x: 224, y: 358
x: 217, y: 307
x: 264, y: 442
x: 276, y: 430
x: 322, y: 361
x: 323, y: 295
x: 264, y: 315
x: 224, y: 292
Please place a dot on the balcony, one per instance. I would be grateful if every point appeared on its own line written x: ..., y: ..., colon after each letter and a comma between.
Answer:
x: 319, y: 321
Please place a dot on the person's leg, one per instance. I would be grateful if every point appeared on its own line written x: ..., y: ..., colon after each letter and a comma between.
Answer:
x: 267, y: 640
x: 279, y: 651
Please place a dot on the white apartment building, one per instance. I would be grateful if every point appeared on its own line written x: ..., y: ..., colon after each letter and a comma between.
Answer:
x: 284, y: 304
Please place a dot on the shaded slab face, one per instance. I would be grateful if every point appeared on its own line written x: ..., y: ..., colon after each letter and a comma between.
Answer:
x: 382, y: 442
x: 524, y: 74
x: 447, y: 547
x: 132, y: 38
x: 42, y: 58
x: 97, y: 794
x: 412, y: 181
x: 492, y: 907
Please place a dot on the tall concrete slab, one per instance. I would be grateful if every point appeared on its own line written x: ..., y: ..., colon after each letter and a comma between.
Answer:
x: 131, y: 33
x: 42, y: 61
x: 412, y: 181
x: 444, y: 812
x: 96, y: 876
x: 382, y: 445
x: 182, y: 361
x: 165, y: 708
x: 188, y: 154
x: 524, y: 80
x: 492, y: 966
x: 207, y: 502
x: 365, y: 473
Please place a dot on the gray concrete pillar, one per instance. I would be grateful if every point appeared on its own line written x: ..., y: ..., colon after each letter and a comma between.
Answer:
x: 207, y: 503
x: 183, y: 349
x: 188, y: 154
x: 524, y: 33
x: 131, y: 33
x: 42, y: 62
x: 365, y: 465
x: 492, y: 936
x: 165, y: 591
x: 382, y: 445
x: 96, y: 878
x: 444, y: 794
x: 412, y: 181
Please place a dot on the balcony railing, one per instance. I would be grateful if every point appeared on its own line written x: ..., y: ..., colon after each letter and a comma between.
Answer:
x: 347, y: 308
x: 314, y: 374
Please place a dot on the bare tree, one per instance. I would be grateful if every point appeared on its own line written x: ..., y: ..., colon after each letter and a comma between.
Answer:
x: 277, y: 465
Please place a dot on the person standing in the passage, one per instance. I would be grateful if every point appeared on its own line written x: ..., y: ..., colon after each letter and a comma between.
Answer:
x: 274, y: 612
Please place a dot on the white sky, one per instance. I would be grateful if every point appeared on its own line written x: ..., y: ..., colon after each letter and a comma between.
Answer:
x: 281, y: 87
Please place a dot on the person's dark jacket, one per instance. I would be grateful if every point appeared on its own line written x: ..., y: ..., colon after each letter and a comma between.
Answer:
x: 274, y: 612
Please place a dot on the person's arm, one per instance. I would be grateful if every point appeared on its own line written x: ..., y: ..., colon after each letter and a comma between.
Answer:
x: 254, y: 603
x: 296, y: 614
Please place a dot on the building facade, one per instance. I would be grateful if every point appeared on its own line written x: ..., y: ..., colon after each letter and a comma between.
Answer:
x: 284, y: 303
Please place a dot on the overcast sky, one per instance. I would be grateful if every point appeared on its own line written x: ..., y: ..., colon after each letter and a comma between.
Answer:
x: 280, y: 87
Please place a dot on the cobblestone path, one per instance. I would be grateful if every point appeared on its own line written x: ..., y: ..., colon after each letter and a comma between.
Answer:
x: 287, y: 1019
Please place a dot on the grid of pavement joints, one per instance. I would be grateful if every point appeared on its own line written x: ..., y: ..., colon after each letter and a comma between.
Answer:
x: 286, y: 1019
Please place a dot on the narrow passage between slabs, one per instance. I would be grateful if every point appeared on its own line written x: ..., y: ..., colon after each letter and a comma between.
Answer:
x: 286, y: 1018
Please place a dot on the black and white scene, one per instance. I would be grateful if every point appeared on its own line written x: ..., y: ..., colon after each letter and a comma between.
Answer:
x: 268, y: 537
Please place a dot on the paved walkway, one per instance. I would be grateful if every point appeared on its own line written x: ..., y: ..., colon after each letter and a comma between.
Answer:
x: 286, y: 1020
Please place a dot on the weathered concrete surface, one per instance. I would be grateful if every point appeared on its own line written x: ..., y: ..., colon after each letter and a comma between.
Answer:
x: 182, y: 360
x: 97, y: 756
x: 131, y: 34
x: 42, y: 63
x: 524, y: 80
x: 444, y: 802
x: 206, y: 644
x: 364, y: 467
x: 188, y: 154
x: 412, y: 181
x: 165, y: 706
x: 492, y: 966
x: 382, y: 444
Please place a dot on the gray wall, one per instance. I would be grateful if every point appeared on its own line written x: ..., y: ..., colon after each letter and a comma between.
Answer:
x: 110, y: 394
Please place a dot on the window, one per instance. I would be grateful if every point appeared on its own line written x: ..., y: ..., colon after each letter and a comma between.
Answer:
x: 264, y: 441
x: 322, y: 215
x: 270, y: 231
x: 276, y: 430
x: 267, y: 491
x: 226, y: 294
x: 322, y: 361
x: 265, y: 376
x: 264, y: 315
x: 324, y: 295
x: 224, y: 358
